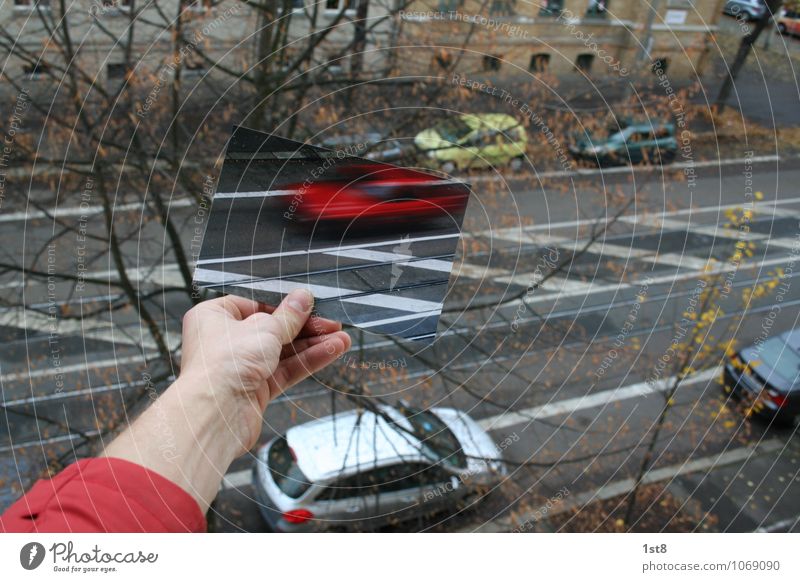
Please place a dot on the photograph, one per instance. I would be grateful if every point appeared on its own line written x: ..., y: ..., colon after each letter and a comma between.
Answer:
x: 368, y: 270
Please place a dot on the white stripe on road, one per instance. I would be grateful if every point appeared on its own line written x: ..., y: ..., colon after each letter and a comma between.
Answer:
x: 80, y: 367
x: 271, y: 193
x: 625, y: 486
x: 326, y: 249
x: 68, y: 211
x: 400, y: 318
x: 602, y: 398
x: 396, y: 259
x: 395, y: 302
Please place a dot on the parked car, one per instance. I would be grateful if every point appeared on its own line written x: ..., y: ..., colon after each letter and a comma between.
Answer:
x: 747, y: 9
x: 634, y: 143
x: 474, y: 141
x: 360, y: 469
x: 789, y: 22
x: 766, y: 377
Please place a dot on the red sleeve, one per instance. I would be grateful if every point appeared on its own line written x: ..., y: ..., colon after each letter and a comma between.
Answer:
x: 104, y: 495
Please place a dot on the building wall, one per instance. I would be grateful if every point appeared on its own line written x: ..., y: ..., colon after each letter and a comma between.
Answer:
x: 516, y: 31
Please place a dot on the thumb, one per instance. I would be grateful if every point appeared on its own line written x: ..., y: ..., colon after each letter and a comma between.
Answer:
x: 291, y: 315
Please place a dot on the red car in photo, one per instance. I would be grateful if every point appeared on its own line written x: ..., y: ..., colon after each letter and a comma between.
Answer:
x: 371, y: 193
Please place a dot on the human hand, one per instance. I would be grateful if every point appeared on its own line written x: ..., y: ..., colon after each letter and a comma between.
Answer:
x: 242, y: 354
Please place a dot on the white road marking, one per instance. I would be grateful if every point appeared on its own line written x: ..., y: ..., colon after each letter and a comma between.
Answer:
x: 262, y: 194
x: 395, y: 302
x: 601, y: 398
x: 325, y: 249
x: 80, y: 367
x: 90, y: 327
x: 624, y: 486
x: 400, y: 318
x: 397, y: 259
x: 68, y: 211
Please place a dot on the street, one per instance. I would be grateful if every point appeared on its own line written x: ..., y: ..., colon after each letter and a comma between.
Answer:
x: 529, y: 356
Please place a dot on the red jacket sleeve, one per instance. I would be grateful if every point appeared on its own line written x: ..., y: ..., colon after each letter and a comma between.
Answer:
x: 104, y: 495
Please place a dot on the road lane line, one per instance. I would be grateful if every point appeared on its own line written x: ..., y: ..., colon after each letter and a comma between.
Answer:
x: 301, y: 252
x: 624, y: 486
x: 395, y: 259
x: 601, y: 398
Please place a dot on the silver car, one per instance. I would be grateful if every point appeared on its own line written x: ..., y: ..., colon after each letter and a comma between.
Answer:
x: 749, y: 9
x: 358, y: 470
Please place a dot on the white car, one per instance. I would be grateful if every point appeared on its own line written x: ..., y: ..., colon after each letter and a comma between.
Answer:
x: 358, y: 470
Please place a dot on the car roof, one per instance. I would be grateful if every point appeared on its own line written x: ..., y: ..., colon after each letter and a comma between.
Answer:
x: 792, y: 339
x: 347, y: 442
x: 496, y: 121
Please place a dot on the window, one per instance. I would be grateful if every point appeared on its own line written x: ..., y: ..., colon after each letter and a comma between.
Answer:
x: 492, y: 62
x: 339, y: 5
x: 199, y: 5
x: 597, y: 8
x: 660, y: 66
x: 399, y: 477
x: 35, y: 71
x: 539, y: 63
x: 285, y: 471
x: 30, y: 5
x: 502, y: 7
x: 551, y: 8
x: 438, y: 440
x: 117, y: 70
x: 109, y: 6
x: 195, y: 69
x: 443, y: 59
x: 584, y: 62
x: 450, y: 5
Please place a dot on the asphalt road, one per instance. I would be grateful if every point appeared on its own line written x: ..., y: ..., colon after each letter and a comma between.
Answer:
x: 528, y: 371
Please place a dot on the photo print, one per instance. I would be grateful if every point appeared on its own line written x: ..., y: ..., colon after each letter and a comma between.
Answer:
x: 374, y: 242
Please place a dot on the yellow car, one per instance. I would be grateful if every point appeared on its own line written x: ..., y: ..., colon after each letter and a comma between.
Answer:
x: 474, y: 141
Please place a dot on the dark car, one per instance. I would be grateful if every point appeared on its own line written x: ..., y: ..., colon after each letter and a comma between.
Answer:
x: 766, y: 377
x: 633, y: 144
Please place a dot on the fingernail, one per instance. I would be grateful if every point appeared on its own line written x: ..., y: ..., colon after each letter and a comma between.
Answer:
x: 300, y: 300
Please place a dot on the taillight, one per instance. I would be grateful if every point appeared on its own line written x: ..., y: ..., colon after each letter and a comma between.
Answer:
x: 778, y: 399
x: 297, y: 516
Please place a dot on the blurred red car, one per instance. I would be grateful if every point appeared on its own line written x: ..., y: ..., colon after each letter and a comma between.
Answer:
x: 375, y: 193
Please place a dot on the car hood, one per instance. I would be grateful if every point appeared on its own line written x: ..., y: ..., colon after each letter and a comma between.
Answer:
x: 430, y: 139
x: 475, y: 442
x: 752, y: 358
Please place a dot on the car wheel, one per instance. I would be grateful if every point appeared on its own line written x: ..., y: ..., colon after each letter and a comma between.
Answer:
x: 782, y: 28
x: 516, y: 164
x: 448, y: 167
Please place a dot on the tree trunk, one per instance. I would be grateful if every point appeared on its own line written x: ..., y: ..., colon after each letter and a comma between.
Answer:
x: 744, y: 51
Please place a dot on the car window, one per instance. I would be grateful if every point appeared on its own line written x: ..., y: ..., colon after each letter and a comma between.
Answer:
x: 453, y: 130
x: 284, y: 470
x: 397, y: 477
x: 776, y: 354
x: 358, y: 485
x: 438, y: 440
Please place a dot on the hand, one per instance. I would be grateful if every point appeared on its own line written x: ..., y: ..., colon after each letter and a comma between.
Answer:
x: 243, y: 354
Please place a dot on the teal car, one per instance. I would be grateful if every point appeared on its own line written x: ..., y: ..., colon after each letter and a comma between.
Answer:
x: 633, y: 144
x: 473, y: 141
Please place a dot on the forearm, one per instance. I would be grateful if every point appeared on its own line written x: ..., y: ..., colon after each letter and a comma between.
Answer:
x: 187, y: 435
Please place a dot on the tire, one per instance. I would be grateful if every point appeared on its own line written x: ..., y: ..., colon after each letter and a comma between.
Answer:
x: 782, y: 28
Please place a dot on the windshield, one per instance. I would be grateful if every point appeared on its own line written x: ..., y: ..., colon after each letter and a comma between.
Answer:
x: 284, y: 470
x: 783, y: 360
x: 453, y: 130
x: 437, y: 439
